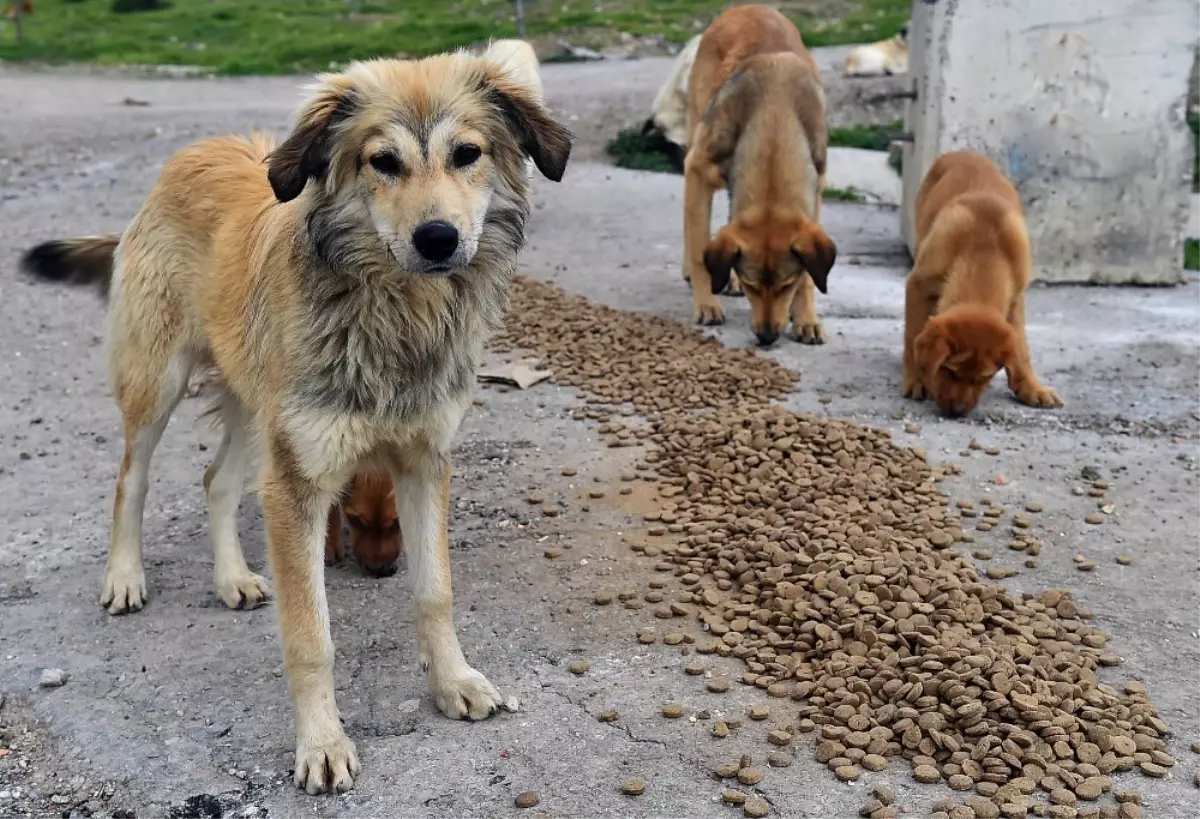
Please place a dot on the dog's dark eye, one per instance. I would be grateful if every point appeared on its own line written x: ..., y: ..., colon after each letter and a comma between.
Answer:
x: 386, y: 163
x: 467, y: 154
x: 355, y: 521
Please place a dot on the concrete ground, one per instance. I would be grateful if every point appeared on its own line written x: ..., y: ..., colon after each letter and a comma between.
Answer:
x: 183, y: 707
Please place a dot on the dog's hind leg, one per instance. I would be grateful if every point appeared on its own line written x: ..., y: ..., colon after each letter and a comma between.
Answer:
x: 224, y: 480
x: 422, y: 489
x: 147, y: 394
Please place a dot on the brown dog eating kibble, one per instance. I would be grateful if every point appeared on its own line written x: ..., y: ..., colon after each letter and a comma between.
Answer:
x: 965, y: 300
x: 757, y: 114
x: 369, y: 509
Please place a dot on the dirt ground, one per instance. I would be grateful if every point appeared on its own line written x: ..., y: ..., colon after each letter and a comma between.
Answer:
x: 181, y: 710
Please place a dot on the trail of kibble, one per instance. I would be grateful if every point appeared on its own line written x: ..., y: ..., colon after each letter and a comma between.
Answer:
x: 821, y: 554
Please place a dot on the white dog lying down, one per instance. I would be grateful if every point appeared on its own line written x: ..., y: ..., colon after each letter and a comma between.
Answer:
x: 669, y: 117
x: 885, y: 57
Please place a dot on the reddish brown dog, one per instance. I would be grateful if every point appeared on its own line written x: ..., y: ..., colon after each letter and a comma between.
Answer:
x: 965, y: 301
x: 757, y: 124
x: 370, y: 513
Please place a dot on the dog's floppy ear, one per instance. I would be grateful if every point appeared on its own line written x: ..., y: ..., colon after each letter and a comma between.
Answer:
x: 719, y: 258
x: 305, y: 153
x: 816, y: 252
x: 932, y: 348
x: 546, y: 142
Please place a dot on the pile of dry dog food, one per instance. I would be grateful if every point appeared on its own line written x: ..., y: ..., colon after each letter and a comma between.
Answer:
x: 822, y: 555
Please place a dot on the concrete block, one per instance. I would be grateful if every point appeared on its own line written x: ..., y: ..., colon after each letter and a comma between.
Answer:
x: 1082, y: 103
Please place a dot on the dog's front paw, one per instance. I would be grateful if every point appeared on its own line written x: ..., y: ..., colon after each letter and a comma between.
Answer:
x: 709, y: 314
x: 326, y: 765
x: 914, y: 389
x: 734, y: 288
x: 1040, y: 397
x: 464, y: 694
x: 241, y: 589
x: 124, y: 590
x: 812, y: 332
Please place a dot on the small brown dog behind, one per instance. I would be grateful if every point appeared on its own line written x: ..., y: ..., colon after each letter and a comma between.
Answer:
x: 370, y: 513
x: 757, y: 118
x: 965, y: 301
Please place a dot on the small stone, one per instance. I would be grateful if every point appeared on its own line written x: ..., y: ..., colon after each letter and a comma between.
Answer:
x: 1094, y: 519
x: 672, y: 710
x: 610, y: 715
x: 528, y: 799
x: 579, y: 667
x: 756, y: 808
x: 53, y: 678
x: 778, y: 759
x: 733, y: 796
x: 633, y: 787
x: 552, y: 554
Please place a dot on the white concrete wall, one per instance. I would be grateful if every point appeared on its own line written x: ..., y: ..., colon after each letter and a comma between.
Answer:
x: 1081, y: 103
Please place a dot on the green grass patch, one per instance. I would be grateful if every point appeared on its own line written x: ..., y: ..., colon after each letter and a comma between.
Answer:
x: 870, y: 137
x: 286, y: 36
x: 1191, y: 254
x: 843, y: 195
x: 632, y: 149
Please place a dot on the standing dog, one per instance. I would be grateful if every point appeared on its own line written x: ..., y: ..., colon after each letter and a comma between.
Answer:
x: 882, y: 58
x: 964, y: 312
x: 369, y: 509
x: 758, y: 127
x: 343, y: 285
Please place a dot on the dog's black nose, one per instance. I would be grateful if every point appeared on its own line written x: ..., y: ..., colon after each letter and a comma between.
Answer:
x: 767, y: 337
x: 436, y: 241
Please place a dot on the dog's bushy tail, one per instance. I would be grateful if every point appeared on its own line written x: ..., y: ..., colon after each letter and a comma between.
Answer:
x: 87, y: 260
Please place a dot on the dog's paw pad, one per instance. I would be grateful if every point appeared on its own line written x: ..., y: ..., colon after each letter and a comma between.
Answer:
x: 466, y: 694
x: 809, y: 333
x: 243, y: 591
x: 710, y: 315
x: 124, y: 591
x: 326, y: 766
x: 1042, y: 398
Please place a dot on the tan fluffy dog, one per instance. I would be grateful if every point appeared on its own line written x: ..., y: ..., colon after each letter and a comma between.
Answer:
x: 881, y: 58
x: 965, y: 301
x: 343, y: 285
x: 757, y: 113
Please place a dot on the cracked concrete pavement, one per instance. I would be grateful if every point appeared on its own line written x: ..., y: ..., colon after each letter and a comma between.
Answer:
x: 186, y: 699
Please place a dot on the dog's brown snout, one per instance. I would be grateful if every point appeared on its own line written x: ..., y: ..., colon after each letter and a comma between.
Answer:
x: 436, y: 241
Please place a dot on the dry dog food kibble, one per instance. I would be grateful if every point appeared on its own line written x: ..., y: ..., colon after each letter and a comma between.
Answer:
x: 672, y: 710
x: 823, y: 556
x: 580, y: 667
x: 633, y: 787
x: 528, y: 799
x: 756, y: 808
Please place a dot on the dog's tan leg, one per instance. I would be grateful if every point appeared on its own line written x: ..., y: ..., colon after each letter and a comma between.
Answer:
x: 422, y: 490
x: 224, y: 481
x: 916, y: 315
x: 697, y: 226
x: 1021, y: 378
x: 806, y: 327
x: 296, y: 514
x: 335, y: 547
x: 147, y: 396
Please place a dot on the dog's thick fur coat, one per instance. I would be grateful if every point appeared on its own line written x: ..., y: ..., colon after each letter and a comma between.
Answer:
x: 303, y: 275
x: 878, y: 59
x: 965, y: 300
x: 757, y: 113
